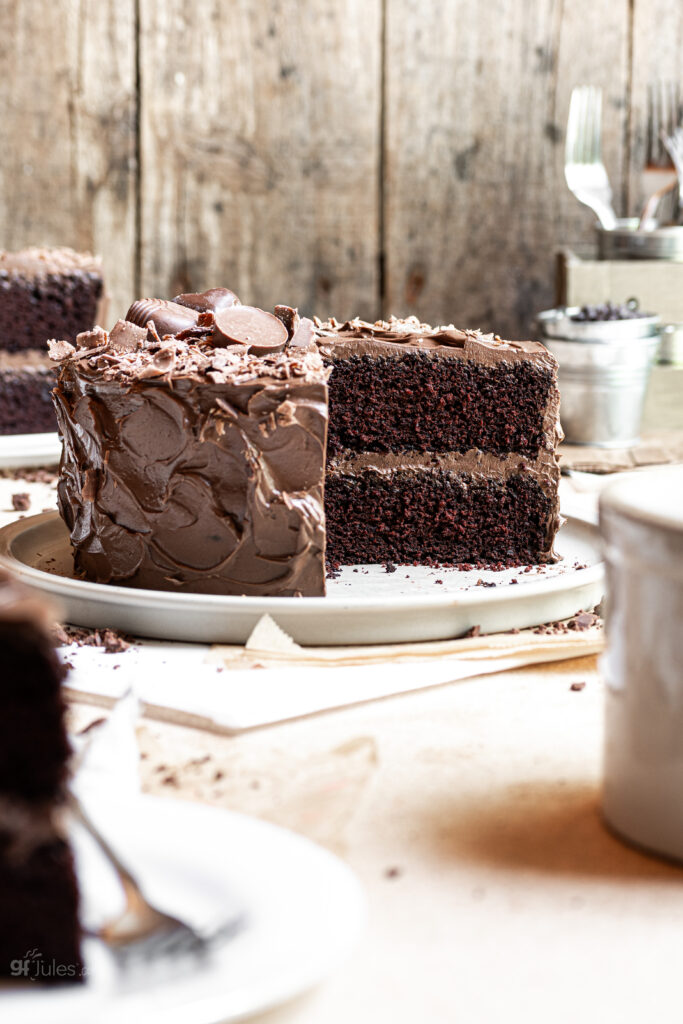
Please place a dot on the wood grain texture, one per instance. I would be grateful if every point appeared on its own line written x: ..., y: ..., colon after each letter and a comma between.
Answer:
x: 67, y: 135
x: 349, y: 156
x: 260, y: 150
x: 657, y: 56
x: 476, y: 106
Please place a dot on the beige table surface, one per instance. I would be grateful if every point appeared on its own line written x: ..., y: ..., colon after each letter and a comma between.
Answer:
x: 471, y: 814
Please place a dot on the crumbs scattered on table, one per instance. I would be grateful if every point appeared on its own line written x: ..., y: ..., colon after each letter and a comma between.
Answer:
x: 390, y: 567
x: 577, y: 686
x: 49, y: 475
x: 111, y: 640
x: 21, y: 502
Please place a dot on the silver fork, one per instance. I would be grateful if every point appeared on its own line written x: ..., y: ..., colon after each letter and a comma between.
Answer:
x: 663, y: 118
x: 142, y: 931
x: 674, y: 147
x: 584, y: 170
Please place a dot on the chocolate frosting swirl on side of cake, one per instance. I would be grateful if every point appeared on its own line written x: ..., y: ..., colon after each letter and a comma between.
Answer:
x: 192, y: 467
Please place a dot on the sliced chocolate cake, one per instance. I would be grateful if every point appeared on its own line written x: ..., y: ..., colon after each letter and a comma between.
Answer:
x: 194, y: 449
x: 39, y: 930
x: 441, y: 445
x: 44, y: 293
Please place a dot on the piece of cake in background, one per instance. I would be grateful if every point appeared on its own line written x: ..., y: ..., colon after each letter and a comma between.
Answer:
x: 442, y: 445
x: 39, y: 926
x: 194, y: 449
x: 44, y: 293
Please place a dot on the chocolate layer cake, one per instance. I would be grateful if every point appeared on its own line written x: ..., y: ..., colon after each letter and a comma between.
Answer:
x: 44, y: 293
x: 194, y: 449
x: 441, y: 445
x: 39, y: 931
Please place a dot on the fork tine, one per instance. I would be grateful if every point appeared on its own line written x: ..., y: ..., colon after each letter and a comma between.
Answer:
x: 581, y: 151
x: 597, y: 124
x: 572, y: 128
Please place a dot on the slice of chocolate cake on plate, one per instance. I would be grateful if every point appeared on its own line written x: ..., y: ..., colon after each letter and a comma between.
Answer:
x: 39, y: 929
x: 194, y: 449
x: 441, y: 445
x: 44, y: 293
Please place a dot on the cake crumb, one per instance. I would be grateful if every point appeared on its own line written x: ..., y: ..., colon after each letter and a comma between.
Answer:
x: 577, y: 686
x: 474, y: 631
x: 389, y: 567
x: 21, y: 502
x: 584, y: 620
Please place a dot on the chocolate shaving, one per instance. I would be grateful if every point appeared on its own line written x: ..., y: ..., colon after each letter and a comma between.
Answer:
x: 290, y: 318
x: 21, y: 502
x: 126, y: 336
x: 209, y: 301
x: 59, y: 350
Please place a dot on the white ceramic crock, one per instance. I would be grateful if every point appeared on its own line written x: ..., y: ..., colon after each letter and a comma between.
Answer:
x: 641, y: 521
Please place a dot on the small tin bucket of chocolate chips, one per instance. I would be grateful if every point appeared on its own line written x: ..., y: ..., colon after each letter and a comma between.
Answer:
x: 605, y: 355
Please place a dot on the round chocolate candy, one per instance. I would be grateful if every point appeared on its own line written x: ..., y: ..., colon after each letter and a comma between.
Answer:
x: 169, y: 317
x: 261, y: 332
x: 210, y: 301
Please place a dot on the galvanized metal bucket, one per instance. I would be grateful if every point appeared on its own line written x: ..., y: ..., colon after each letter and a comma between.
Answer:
x: 603, y: 381
x: 627, y: 242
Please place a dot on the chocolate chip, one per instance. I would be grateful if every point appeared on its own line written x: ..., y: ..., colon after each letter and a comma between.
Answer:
x: 168, y: 317
x: 210, y: 301
x: 262, y: 332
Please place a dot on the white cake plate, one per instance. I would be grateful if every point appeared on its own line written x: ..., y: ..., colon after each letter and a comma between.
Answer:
x: 302, y: 911
x: 29, y: 450
x: 364, y: 604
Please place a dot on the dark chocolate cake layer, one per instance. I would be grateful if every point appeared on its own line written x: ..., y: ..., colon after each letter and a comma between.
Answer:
x: 404, y: 386
x: 39, y: 932
x: 441, y: 445
x: 26, y: 383
x: 38, y: 891
x: 194, y: 450
x: 47, y: 293
x: 452, y: 510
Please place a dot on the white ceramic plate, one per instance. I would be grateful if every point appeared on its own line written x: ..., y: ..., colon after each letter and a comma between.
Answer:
x: 28, y: 450
x: 302, y: 912
x: 364, y: 605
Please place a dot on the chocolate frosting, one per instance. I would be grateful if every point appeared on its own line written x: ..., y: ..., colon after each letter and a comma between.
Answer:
x: 38, y: 262
x: 192, y: 467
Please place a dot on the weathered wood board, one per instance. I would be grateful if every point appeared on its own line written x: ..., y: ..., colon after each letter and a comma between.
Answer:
x: 260, y: 150
x: 67, y: 134
x: 367, y: 156
x: 476, y: 105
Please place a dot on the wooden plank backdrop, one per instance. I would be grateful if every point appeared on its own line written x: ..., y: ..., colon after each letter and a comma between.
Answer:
x: 347, y: 156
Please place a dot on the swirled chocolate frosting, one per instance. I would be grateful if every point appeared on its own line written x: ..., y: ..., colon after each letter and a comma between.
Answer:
x: 194, y: 449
